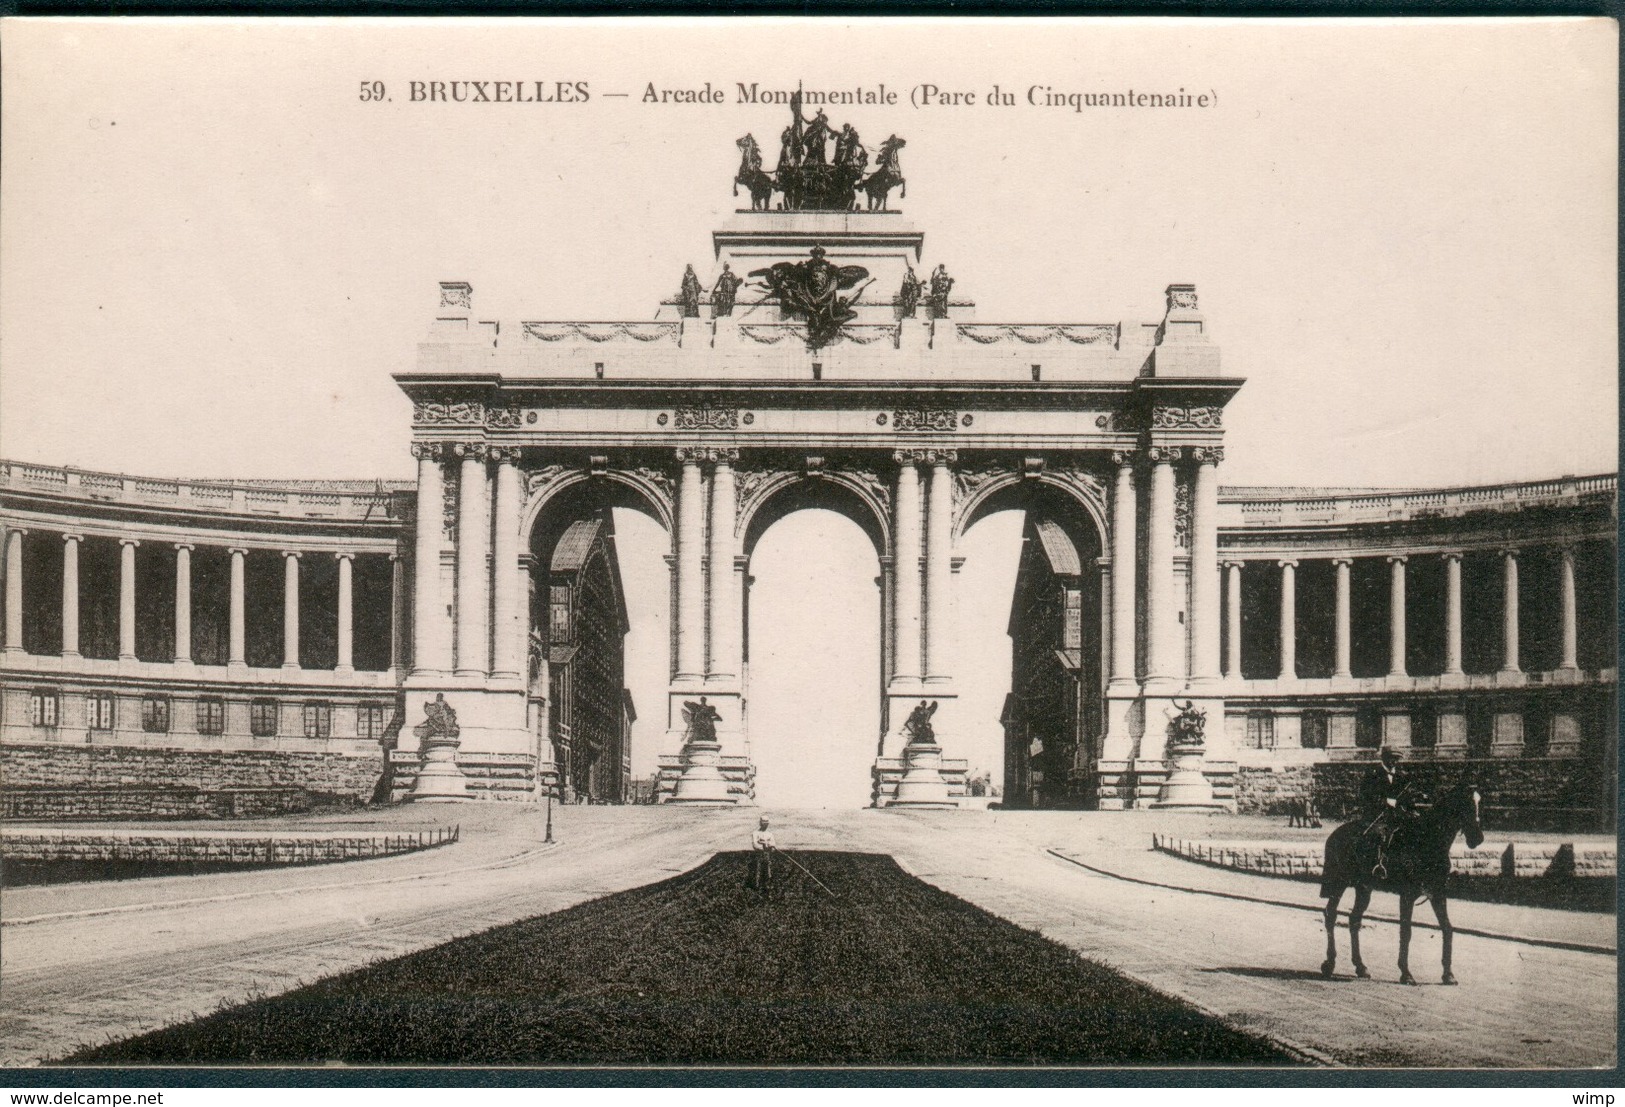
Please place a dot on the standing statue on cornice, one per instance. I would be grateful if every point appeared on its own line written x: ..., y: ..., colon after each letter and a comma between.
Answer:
x: 908, y: 297
x: 724, y: 292
x: 941, y: 284
x: 688, y: 297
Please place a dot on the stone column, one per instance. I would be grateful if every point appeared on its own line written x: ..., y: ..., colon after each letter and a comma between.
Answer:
x: 183, y: 603
x: 238, y: 636
x: 939, y: 569
x: 14, y: 589
x: 473, y: 568
x: 397, y: 613
x: 723, y: 661
x: 1396, y: 617
x: 1232, y: 659
x: 690, y: 567
x: 126, y: 598
x: 290, y: 609
x: 1124, y: 511
x: 906, y: 569
x: 346, y: 613
x: 1342, y: 668
x: 1161, y: 631
x: 1509, y: 612
x: 1289, y: 620
x: 430, y: 650
x: 70, y: 594
x: 1571, y: 637
x: 1452, y: 614
x: 1204, y: 614
x: 508, y: 633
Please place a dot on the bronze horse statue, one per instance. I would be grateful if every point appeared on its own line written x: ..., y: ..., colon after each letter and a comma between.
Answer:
x: 1415, y: 862
x: 752, y: 176
x: 888, y: 175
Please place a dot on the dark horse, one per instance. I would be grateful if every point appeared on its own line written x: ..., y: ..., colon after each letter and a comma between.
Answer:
x: 1416, y: 862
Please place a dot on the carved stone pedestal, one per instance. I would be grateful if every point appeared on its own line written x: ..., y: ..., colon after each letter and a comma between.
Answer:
x: 702, y: 782
x: 439, y: 779
x: 922, y: 784
x: 1186, y: 788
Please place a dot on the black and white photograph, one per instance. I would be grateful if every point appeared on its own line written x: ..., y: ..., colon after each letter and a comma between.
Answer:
x: 682, y: 544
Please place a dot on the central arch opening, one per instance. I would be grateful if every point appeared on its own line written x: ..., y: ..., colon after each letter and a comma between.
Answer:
x: 813, y: 657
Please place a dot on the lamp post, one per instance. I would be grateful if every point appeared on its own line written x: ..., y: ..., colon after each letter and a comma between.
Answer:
x: 548, y: 840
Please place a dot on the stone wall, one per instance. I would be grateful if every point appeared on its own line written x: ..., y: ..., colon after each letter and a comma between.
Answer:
x: 58, y: 804
x: 1525, y: 793
x: 150, y: 782
x: 57, y: 846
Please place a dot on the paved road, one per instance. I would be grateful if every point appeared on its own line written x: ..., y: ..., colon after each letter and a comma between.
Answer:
x: 108, y: 960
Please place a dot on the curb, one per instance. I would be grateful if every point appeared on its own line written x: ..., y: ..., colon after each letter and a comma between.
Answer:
x: 1520, y: 939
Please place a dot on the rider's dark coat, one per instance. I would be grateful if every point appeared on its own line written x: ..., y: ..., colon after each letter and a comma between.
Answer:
x: 1381, y: 785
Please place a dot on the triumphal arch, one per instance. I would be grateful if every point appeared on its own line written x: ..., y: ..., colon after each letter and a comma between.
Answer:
x: 824, y: 358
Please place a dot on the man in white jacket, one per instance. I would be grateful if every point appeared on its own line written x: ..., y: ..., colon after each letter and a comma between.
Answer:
x: 760, y: 876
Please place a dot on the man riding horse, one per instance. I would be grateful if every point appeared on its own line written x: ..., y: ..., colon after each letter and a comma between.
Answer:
x: 1386, y: 803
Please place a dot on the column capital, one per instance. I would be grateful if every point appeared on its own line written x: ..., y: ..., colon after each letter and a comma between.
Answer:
x: 1397, y: 559
x: 241, y: 550
x: 1164, y: 455
x: 431, y: 451
x: 471, y: 451
x: 347, y: 555
x: 1451, y: 555
x: 1207, y: 455
x: 71, y: 537
x: 1566, y: 547
x: 909, y: 457
x: 1234, y: 563
x: 18, y: 531
x: 295, y: 554
x: 129, y: 541
x: 1509, y: 552
x: 181, y: 545
x: 941, y: 457
x: 1125, y: 459
x: 1343, y: 561
x: 692, y: 454
x: 1287, y: 562
x: 504, y: 455
x: 724, y: 455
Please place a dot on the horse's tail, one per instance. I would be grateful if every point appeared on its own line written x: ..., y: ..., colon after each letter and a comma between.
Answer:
x: 1336, y: 867
x: 736, y: 186
x: 903, y: 181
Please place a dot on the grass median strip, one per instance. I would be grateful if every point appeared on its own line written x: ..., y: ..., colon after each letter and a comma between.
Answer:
x: 879, y: 969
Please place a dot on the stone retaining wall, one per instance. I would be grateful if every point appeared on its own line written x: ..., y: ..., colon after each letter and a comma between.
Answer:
x: 91, y: 846
x: 1304, y: 859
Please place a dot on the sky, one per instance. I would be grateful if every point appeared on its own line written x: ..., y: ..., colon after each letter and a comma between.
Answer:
x: 216, y: 248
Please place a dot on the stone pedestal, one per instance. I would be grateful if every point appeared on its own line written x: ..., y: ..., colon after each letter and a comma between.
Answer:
x: 702, y: 782
x: 922, y: 784
x: 439, y: 779
x: 1186, y: 788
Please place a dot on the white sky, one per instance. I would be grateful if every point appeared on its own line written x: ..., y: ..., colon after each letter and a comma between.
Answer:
x: 213, y: 254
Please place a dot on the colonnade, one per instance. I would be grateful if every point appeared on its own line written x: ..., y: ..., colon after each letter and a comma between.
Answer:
x: 236, y: 605
x: 1397, y: 572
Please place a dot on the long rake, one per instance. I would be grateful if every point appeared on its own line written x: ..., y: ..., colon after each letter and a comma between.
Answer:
x: 804, y: 869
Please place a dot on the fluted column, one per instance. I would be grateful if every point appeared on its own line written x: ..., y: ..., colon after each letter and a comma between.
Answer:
x: 508, y: 633
x: 1570, y: 625
x: 290, y: 609
x: 397, y: 612
x: 431, y: 651
x: 346, y: 613
x: 1204, y: 614
x: 473, y: 568
x: 237, y: 632
x: 1342, y: 666
x: 14, y: 589
x: 690, y: 567
x: 939, y: 568
x: 1509, y: 611
x: 70, y: 594
x: 1396, y: 616
x: 126, y: 598
x: 723, y: 659
x: 1161, y: 631
x: 1232, y: 659
x: 1452, y: 614
x: 1125, y: 509
x: 1289, y: 620
x: 183, y: 603
x: 906, y: 569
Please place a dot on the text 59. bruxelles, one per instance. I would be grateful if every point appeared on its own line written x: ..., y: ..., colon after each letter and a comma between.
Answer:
x: 486, y: 92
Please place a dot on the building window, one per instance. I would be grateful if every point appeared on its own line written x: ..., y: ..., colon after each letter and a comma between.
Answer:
x: 155, y: 714
x: 262, y: 718
x: 318, y: 719
x: 369, y: 721
x: 43, y: 705
x: 211, y: 715
x: 1316, y: 724
x: 99, y: 709
x: 1261, y: 730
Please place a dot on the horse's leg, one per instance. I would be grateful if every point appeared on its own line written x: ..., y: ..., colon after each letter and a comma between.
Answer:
x: 1362, y: 900
x: 1441, y: 911
x: 1407, y: 905
x: 1330, y: 963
